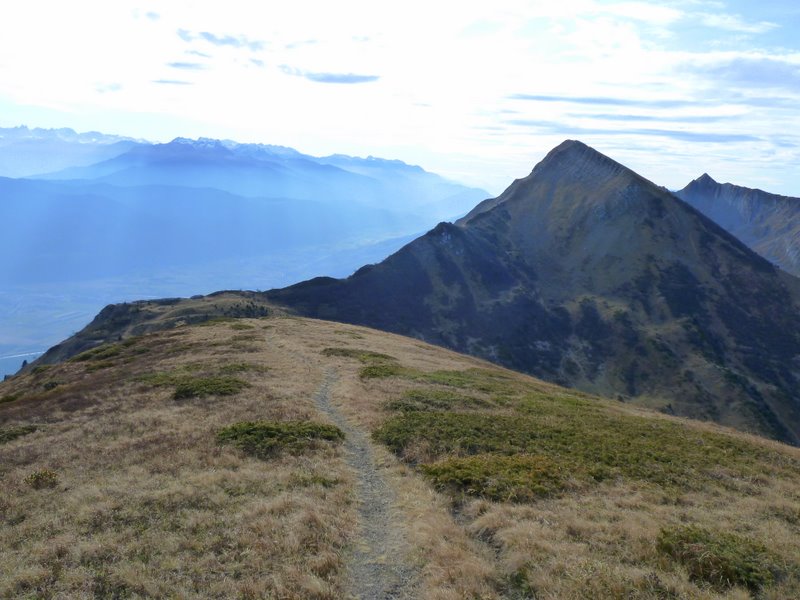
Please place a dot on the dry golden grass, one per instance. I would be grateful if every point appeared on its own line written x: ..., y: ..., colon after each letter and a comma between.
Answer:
x: 148, y: 504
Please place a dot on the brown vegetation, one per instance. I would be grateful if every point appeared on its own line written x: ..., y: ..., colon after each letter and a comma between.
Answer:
x: 503, y: 486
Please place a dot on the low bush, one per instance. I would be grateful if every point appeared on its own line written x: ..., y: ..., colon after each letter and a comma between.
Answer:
x: 265, y: 439
x: 9, y: 398
x: 719, y: 558
x: 520, y: 478
x: 44, y: 478
x: 428, y: 399
x: 365, y: 356
x: 197, y: 387
x: 103, y: 352
x: 8, y: 434
x: 242, y: 367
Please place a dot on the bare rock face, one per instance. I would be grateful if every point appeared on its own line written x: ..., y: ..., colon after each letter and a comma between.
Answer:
x: 767, y: 223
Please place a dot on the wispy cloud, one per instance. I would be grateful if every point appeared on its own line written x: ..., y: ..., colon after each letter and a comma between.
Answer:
x: 172, y: 82
x: 654, y: 118
x: 198, y: 53
x: 257, y: 62
x: 233, y: 41
x: 185, y: 35
x: 605, y: 101
x: 104, y: 88
x: 553, y: 127
x: 230, y: 40
x: 345, y: 78
x: 734, y: 23
x: 152, y: 15
x: 188, y: 66
x: 298, y: 44
x: 750, y: 73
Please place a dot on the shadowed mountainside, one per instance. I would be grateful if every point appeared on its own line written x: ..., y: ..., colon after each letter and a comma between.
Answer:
x: 586, y: 274
x: 767, y: 223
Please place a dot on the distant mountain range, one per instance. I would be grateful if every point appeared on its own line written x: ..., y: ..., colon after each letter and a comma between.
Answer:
x: 25, y: 152
x: 768, y: 223
x: 96, y: 212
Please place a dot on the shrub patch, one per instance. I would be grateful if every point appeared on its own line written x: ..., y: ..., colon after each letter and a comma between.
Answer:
x: 718, y: 558
x: 8, y: 434
x: 265, y: 439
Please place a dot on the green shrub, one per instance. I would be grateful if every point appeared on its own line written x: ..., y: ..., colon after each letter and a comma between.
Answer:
x: 44, y: 478
x: 197, y: 387
x: 381, y: 371
x: 265, y: 439
x: 9, y: 398
x: 520, y: 478
x: 103, y: 352
x: 365, y: 356
x: 241, y: 326
x: 11, y: 433
x: 718, y: 558
x: 242, y: 367
x: 592, y: 443
x: 431, y: 399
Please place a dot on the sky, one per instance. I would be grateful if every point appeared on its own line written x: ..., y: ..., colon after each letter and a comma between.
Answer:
x: 476, y: 91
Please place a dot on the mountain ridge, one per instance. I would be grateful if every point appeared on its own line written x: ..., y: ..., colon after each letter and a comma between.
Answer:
x: 586, y: 274
x: 767, y: 223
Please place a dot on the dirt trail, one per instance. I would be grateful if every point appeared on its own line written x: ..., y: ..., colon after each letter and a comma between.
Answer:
x: 377, y: 569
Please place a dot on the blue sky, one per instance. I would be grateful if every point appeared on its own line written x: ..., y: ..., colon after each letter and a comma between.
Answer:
x: 474, y: 90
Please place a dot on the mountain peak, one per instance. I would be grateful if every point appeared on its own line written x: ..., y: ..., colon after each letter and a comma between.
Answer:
x: 574, y: 159
x: 705, y: 178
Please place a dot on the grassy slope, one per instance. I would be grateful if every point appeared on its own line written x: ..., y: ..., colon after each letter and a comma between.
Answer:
x: 504, y: 486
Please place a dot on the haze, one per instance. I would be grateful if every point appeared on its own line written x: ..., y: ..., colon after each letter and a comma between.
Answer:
x: 474, y: 91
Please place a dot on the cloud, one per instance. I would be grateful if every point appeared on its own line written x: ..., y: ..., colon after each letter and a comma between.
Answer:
x: 172, y: 82
x: 298, y: 44
x: 198, y: 53
x: 607, y: 101
x: 556, y: 128
x: 257, y: 62
x: 188, y: 66
x: 234, y: 41
x: 651, y: 118
x: 734, y: 23
x: 108, y: 87
x: 750, y: 73
x: 345, y: 78
x: 153, y: 16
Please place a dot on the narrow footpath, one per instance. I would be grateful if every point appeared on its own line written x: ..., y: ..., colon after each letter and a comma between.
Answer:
x: 377, y: 571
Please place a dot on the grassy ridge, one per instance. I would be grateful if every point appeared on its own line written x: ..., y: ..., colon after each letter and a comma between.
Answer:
x: 483, y: 436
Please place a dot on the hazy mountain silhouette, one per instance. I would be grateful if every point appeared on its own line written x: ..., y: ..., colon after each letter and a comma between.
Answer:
x: 186, y: 217
x: 254, y: 170
x: 25, y: 152
x: 768, y: 223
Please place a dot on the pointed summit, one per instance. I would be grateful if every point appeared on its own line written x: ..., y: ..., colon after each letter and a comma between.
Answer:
x: 572, y: 164
x: 705, y: 179
x: 572, y: 177
x: 575, y: 159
